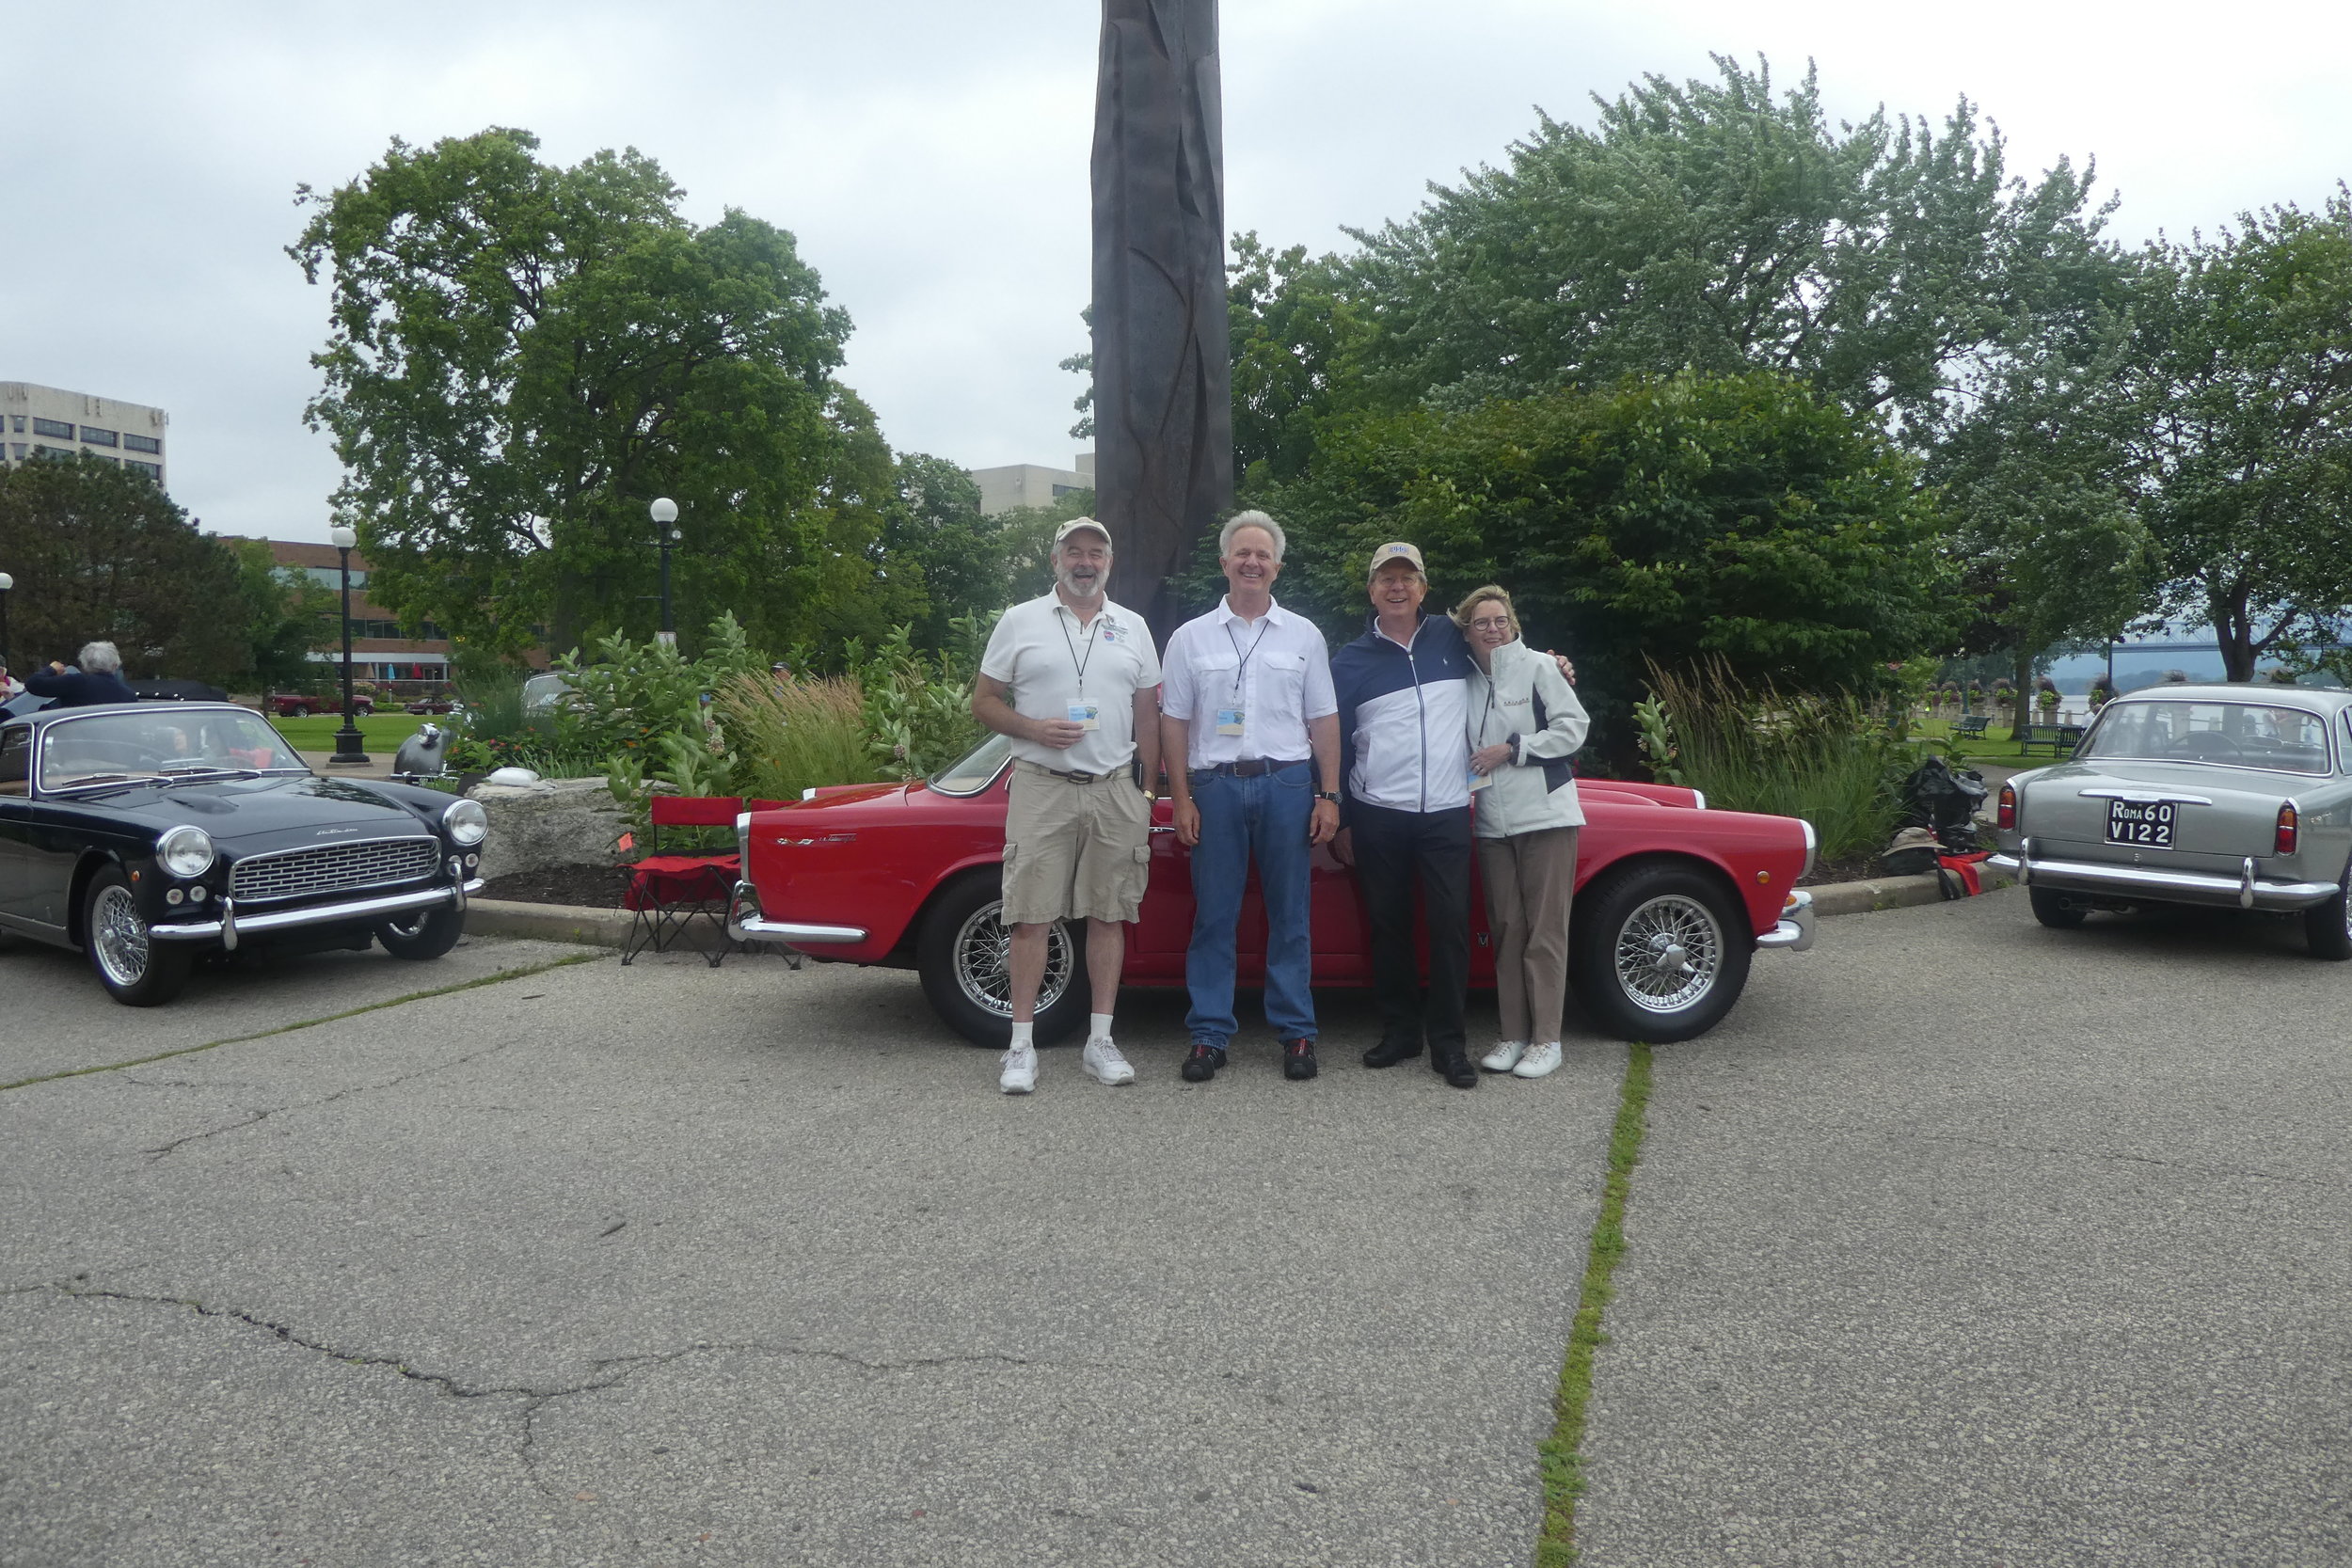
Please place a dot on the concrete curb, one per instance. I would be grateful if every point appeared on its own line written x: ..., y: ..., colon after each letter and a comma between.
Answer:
x: 505, y: 917
x: 1889, y: 893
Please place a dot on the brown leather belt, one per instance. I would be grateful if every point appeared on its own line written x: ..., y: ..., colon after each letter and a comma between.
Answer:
x: 1251, y: 768
x: 1073, y: 776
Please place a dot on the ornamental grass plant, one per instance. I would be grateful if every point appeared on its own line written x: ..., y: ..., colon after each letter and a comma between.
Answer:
x: 1754, y: 748
x: 784, y: 737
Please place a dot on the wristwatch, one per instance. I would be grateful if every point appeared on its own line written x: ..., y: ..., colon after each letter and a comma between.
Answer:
x: 1332, y: 795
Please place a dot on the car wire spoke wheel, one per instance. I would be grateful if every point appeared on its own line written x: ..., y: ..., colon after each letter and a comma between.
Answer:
x: 117, y: 935
x: 1670, y: 951
x: 983, y: 961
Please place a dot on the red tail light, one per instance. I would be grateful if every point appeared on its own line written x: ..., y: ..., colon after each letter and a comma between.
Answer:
x: 2282, y: 843
x: 2005, y: 810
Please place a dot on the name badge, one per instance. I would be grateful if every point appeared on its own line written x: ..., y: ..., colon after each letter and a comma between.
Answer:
x: 1087, y: 716
x: 1480, y: 780
x: 1228, y: 720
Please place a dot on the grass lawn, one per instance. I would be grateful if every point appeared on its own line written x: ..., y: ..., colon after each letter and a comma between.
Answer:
x: 1998, y: 744
x: 317, y: 733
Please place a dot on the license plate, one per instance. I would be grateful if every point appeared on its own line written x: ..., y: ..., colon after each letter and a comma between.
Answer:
x: 2143, y: 824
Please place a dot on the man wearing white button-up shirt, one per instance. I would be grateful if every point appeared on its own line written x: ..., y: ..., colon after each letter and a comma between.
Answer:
x: 1248, y: 719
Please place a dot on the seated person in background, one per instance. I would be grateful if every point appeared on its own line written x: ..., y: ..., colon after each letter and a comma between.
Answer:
x: 98, y: 680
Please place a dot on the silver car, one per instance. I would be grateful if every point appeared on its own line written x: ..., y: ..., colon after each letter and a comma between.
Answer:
x: 2231, y: 797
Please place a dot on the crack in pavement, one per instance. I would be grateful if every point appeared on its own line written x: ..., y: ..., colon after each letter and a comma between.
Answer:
x: 259, y: 1117
x: 497, y: 977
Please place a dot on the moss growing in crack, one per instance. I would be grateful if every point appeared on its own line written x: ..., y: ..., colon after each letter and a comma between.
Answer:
x: 502, y: 976
x: 1563, y: 1453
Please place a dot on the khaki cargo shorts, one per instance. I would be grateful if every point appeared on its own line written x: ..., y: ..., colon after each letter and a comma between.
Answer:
x: 1074, y: 850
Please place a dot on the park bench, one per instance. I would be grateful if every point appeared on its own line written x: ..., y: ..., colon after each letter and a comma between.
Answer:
x: 1970, y: 727
x: 2060, y: 738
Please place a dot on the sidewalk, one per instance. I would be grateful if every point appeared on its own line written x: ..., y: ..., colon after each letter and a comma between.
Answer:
x: 2030, y: 1251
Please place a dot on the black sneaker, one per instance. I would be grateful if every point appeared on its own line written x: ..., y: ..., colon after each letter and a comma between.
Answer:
x: 1454, y: 1067
x: 1299, y: 1059
x: 1202, y: 1064
x: 1390, y: 1053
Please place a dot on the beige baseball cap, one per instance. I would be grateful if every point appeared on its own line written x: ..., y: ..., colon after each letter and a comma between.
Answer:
x: 1398, y: 551
x: 1075, y: 524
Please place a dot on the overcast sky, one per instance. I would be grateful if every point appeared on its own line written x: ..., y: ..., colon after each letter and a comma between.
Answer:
x: 931, y: 157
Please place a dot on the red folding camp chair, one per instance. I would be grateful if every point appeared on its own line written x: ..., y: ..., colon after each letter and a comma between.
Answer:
x: 669, y: 893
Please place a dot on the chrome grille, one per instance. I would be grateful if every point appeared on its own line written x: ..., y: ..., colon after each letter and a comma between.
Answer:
x: 331, y: 868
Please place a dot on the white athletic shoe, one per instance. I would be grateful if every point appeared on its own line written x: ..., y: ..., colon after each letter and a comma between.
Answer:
x: 1020, y: 1071
x: 1539, y: 1061
x: 1503, y: 1057
x: 1102, y: 1058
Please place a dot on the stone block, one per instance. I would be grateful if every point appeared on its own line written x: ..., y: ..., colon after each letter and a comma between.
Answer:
x: 552, y: 822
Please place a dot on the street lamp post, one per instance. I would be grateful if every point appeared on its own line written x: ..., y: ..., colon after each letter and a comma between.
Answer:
x: 348, y: 740
x: 664, y: 511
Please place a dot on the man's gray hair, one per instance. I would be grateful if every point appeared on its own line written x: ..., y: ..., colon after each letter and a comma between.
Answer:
x: 1240, y: 520
x: 99, y: 659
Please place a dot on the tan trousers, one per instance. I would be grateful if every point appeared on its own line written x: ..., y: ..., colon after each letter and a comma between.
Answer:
x: 1531, y: 880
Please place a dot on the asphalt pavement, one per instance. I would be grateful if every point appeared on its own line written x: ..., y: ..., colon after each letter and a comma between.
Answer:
x: 2008, y: 1246
x: 666, y: 1265
x: 1961, y: 1243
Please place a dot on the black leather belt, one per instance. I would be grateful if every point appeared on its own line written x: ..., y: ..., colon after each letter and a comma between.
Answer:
x: 1073, y: 777
x: 1251, y: 768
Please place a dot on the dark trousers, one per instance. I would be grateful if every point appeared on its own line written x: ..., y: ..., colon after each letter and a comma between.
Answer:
x: 1393, y: 849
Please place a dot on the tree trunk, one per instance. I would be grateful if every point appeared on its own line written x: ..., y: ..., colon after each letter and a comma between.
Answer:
x: 2021, y: 714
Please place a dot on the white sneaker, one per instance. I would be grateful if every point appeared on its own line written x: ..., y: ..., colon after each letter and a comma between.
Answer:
x: 1503, y: 1057
x: 1020, y: 1071
x: 1539, y: 1061
x: 1102, y: 1058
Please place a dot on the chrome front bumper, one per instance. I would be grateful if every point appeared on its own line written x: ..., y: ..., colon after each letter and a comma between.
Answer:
x: 231, y: 926
x: 1793, y: 931
x: 746, y: 924
x: 2244, y: 891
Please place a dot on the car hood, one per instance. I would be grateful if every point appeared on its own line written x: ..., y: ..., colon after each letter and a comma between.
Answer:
x: 277, y: 809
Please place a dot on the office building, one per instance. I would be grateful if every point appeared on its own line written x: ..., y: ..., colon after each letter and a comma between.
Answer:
x: 380, y: 651
x: 47, y: 422
x: 1030, y: 484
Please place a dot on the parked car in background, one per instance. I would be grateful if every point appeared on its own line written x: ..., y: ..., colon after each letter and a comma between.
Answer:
x: 2226, y: 796
x: 431, y: 705
x: 301, y: 704
x: 1671, y: 901
x: 544, y: 693
x: 147, y: 835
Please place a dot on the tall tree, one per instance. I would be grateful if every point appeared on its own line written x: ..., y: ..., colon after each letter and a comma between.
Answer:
x: 287, y: 614
x: 936, y: 529
x: 2244, y: 381
x: 521, y: 356
x: 1671, y: 518
x: 103, y: 554
x: 1715, y: 226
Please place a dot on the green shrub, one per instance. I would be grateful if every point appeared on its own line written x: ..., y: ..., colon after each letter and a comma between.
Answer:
x: 1753, y: 748
x: 782, y: 738
x: 918, y: 710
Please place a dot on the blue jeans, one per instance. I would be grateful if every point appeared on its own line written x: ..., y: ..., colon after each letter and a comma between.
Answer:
x: 1266, y: 816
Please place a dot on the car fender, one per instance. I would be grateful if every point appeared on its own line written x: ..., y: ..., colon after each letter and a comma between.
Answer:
x: 83, y: 869
x: 1694, y: 859
x: 902, y: 945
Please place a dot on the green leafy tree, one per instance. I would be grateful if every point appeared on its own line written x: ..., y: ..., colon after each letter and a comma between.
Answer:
x: 936, y: 528
x: 287, y: 614
x: 1674, y: 519
x: 521, y: 356
x: 103, y: 554
x: 1716, y: 227
x: 1295, y: 334
x: 2244, y: 384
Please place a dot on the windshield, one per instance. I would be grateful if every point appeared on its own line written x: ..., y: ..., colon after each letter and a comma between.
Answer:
x: 976, y: 770
x: 2233, y: 735
x: 167, y: 741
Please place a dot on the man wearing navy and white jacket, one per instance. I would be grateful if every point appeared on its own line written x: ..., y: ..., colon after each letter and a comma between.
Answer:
x: 1403, y: 695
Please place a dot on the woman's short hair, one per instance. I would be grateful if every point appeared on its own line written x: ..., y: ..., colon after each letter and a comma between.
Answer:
x: 99, y: 659
x: 1240, y: 520
x: 1480, y: 595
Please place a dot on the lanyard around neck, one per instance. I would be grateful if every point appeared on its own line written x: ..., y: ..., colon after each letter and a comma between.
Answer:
x: 1242, y: 669
x: 1075, y: 662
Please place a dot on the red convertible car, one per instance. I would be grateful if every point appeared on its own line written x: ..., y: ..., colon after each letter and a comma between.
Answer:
x: 1671, y: 900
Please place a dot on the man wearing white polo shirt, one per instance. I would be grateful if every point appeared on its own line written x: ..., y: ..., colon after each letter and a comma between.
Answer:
x: 1247, y: 706
x: 1072, y: 680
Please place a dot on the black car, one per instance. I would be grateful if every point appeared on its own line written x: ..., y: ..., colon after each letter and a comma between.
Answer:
x: 145, y: 834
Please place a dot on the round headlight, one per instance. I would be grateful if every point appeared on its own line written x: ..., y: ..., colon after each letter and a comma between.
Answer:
x: 184, y: 851
x: 467, y: 822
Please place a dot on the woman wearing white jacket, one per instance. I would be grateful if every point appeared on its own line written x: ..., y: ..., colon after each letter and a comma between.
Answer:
x: 1525, y: 724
